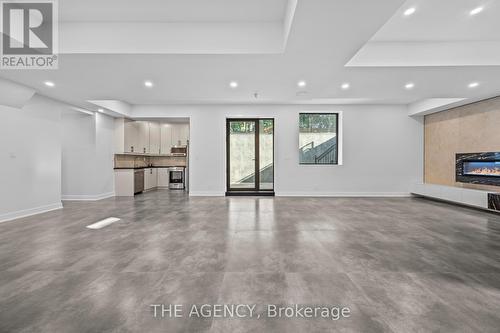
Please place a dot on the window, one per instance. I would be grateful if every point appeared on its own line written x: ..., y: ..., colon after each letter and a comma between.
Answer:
x: 318, y: 138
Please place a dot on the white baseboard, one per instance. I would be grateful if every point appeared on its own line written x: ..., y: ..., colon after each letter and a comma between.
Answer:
x: 69, y: 197
x: 206, y: 194
x: 345, y: 194
x: 314, y: 194
x: 29, y: 212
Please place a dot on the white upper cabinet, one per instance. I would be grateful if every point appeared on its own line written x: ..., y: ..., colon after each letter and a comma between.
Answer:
x: 136, y: 137
x: 180, y: 134
x: 131, y: 137
x: 143, y: 137
x: 166, y: 138
x: 154, y: 138
x: 184, y: 137
x: 176, y: 135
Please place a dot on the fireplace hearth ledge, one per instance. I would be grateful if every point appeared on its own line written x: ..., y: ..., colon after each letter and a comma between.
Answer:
x: 462, y: 196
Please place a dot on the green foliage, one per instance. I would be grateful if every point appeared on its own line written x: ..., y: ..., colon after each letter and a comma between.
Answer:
x: 266, y: 126
x: 241, y: 127
x: 318, y: 122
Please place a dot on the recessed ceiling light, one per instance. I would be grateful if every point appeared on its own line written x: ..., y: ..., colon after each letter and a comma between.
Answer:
x: 148, y: 84
x: 100, y: 110
x: 302, y: 84
x: 476, y: 11
x: 345, y: 86
x: 233, y: 84
x: 410, y: 11
x: 473, y: 84
x: 49, y: 83
x: 410, y: 85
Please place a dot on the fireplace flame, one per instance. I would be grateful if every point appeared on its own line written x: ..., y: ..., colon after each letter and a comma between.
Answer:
x: 485, y: 172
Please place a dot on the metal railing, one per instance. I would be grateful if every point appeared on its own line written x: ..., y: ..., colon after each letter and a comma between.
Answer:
x: 328, y: 156
x: 307, y: 146
x: 251, y: 176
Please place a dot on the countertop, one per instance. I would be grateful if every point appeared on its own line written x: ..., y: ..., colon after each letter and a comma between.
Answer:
x: 150, y: 167
x: 152, y: 155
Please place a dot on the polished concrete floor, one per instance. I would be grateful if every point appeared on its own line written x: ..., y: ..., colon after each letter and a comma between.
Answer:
x: 399, y: 264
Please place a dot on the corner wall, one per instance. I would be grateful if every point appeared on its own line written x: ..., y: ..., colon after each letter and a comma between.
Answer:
x: 50, y: 151
x: 87, y: 156
x: 382, y: 149
x: 30, y: 158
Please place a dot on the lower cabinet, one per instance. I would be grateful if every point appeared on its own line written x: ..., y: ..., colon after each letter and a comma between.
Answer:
x: 162, y: 177
x: 150, y: 178
x: 124, y: 182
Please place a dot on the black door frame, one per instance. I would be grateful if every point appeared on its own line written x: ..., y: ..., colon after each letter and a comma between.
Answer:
x: 256, y: 189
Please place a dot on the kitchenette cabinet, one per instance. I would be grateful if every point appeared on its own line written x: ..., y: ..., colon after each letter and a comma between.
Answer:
x: 150, y: 178
x: 184, y: 137
x: 149, y: 137
x: 143, y: 136
x: 154, y: 138
x: 130, y: 136
x: 136, y: 135
x: 180, y: 135
x: 163, y: 177
x: 173, y: 135
x: 165, y: 138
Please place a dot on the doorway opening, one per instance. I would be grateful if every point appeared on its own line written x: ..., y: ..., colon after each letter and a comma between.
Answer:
x: 250, y: 156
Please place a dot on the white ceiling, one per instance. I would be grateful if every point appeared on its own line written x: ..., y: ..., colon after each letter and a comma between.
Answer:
x: 324, y: 37
x: 443, y: 20
x: 174, y: 26
x: 439, y: 33
x: 171, y: 10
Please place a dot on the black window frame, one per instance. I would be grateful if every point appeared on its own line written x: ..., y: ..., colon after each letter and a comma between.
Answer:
x: 337, y: 115
x: 255, y: 190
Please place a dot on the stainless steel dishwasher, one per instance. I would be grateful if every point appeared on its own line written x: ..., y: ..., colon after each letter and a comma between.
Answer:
x: 138, y: 181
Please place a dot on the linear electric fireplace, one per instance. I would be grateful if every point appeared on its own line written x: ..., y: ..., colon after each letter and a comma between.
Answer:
x: 478, y: 168
x: 481, y: 168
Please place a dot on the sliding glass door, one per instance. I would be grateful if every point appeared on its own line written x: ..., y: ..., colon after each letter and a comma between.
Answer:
x: 250, y: 156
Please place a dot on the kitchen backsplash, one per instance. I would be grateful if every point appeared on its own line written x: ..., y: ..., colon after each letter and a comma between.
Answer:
x: 168, y: 161
x: 133, y: 161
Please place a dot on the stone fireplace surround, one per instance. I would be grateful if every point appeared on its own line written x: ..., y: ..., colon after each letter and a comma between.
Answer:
x: 471, y: 128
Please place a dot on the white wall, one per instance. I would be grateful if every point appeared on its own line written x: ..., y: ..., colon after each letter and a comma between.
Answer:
x: 30, y: 158
x: 49, y: 151
x: 87, y: 156
x: 382, y: 148
x: 104, y: 163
